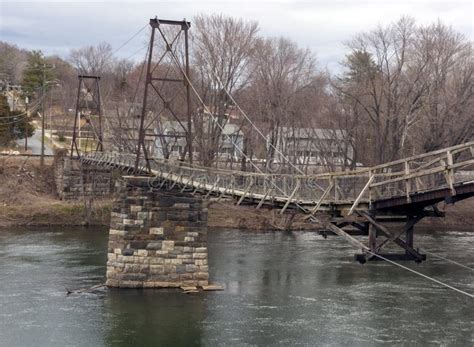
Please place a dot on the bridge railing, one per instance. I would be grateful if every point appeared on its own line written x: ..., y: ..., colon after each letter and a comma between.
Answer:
x: 403, y: 177
x: 430, y: 171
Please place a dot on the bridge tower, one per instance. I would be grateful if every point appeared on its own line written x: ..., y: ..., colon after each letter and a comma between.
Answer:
x: 88, y: 117
x: 167, y: 77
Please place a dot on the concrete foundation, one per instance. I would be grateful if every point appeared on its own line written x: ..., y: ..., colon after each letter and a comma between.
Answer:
x: 157, y: 238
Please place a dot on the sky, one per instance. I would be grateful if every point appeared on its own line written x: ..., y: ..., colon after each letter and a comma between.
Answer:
x: 320, y: 25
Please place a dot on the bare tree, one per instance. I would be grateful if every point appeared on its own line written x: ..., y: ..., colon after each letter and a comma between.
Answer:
x: 222, y: 50
x: 385, y: 83
x: 12, y: 62
x: 93, y: 60
x: 282, y: 74
x: 447, y: 117
x: 409, y: 88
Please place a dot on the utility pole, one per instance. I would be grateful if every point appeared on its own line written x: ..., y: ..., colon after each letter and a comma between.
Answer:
x: 43, y: 116
x: 26, y: 123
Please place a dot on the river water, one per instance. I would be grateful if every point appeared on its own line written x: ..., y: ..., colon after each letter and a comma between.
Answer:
x: 292, y: 288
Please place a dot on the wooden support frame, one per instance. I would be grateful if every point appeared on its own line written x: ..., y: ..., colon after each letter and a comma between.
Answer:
x: 321, y: 199
x: 245, y: 192
x: 357, y: 200
x: 409, y: 250
x: 290, y: 198
x: 353, y: 241
x: 262, y: 200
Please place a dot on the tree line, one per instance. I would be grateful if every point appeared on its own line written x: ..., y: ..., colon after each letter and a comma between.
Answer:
x: 404, y: 88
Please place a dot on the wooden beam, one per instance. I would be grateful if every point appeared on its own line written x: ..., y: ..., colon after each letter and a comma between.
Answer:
x: 392, y: 237
x: 320, y: 201
x: 353, y: 241
x: 450, y: 173
x: 356, y: 202
x: 264, y: 197
x: 424, y: 173
x: 290, y: 198
x: 407, y: 182
x: 245, y: 192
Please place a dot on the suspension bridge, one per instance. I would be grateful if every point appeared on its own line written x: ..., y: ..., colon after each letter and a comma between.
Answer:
x: 405, y: 190
x: 158, y: 223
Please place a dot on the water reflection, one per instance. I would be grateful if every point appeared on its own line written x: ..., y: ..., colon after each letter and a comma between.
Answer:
x: 145, y: 317
x: 282, y: 288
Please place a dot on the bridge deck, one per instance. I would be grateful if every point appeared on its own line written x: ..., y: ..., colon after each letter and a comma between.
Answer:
x: 414, y: 182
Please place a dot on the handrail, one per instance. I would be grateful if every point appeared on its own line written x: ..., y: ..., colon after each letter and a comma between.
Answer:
x: 363, y: 185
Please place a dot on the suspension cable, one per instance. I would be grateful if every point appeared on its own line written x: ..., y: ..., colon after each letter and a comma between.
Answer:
x: 106, y: 119
x: 446, y: 259
x: 126, y: 42
x: 422, y: 275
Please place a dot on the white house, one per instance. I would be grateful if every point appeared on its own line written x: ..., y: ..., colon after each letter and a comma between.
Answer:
x: 314, y: 146
x: 171, y: 141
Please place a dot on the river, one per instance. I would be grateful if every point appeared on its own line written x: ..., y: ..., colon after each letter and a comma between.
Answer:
x: 292, y: 288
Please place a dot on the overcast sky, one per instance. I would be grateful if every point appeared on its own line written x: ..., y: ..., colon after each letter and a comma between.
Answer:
x: 323, y: 26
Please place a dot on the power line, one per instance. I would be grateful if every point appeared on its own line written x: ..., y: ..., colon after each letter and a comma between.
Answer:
x: 24, y: 113
x: 21, y: 117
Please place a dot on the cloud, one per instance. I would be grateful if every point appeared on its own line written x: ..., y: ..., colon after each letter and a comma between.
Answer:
x: 323, y: 26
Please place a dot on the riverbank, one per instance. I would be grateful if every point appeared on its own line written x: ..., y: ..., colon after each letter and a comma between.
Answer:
x: 28, y: 198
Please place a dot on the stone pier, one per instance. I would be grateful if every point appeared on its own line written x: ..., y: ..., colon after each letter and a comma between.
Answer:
x: 157, y: 238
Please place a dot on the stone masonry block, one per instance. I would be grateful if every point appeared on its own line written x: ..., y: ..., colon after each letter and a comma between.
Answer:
x: 117, y: 232
x: 142, y: 252
x: 200, y: 255
x: 168, y: 245
x: 156, y: 231
x: 136, y: 208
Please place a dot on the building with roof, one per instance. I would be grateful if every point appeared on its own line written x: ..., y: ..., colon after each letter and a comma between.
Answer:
x: 170, y: 141
x: 313, y: 146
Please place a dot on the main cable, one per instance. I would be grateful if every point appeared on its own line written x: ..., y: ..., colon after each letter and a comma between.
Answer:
x: 446, y: 259
x: 126, y: 42
x: 422, y: 275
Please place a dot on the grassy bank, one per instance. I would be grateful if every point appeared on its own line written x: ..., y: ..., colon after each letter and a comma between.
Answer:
x: 28, y: 197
